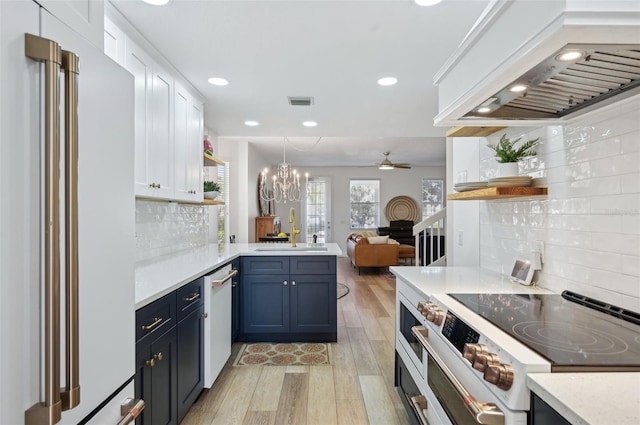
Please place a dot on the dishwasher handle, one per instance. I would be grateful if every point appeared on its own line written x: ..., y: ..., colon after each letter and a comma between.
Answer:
x: 218, y: 283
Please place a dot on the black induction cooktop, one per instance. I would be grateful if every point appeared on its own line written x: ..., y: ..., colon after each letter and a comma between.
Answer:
x: 573, y: 332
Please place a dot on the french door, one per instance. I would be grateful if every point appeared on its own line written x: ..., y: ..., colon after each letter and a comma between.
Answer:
x: 318, y: 210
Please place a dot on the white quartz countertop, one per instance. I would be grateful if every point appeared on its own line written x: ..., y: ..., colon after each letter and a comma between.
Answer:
x: 160, y: 276
x: 451, y: 279
x: 591, y: 398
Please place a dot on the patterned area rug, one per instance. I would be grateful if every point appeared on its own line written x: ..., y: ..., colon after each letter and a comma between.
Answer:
x: 284, y: 354
x: 342, y: 290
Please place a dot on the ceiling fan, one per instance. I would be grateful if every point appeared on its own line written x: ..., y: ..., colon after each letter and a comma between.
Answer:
x: 388, y: 165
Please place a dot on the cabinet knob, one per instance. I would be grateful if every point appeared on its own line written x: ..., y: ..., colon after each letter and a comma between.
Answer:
x: 285, y: 283
x: 204, y: 315
x: 158, y: 356
x: 151, y: 363
x: 293, y: 283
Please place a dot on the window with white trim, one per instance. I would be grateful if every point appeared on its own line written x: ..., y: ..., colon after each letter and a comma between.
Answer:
x: 364, y: 199
x: 432, y: 196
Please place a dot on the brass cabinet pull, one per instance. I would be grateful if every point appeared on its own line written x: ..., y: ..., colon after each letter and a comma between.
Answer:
x: 156, y: 322
x: 158, y: 356
x: 195, y: 296
x: 151, y: 363
x: 130, y: 410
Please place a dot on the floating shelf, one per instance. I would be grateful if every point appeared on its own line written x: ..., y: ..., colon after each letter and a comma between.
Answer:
x: 472, y: 131
x: 497, y: 193
x: 212, y: 202
x: 212, y: 161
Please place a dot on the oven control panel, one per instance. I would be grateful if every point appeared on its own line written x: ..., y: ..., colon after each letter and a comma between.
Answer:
x: 465, y: 340
x: 458, y: 332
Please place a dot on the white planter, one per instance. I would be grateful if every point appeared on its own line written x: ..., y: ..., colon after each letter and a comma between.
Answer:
x: 507, y: 169
x: 211, y: 195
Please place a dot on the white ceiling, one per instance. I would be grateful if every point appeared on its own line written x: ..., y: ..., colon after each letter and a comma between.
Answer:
x: 334, y: 51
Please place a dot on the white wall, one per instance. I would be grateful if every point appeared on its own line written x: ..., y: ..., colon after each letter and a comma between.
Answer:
x: 463, y: 217
x: 392, y: 183
x: 245, y: 166
x: 590, y: 221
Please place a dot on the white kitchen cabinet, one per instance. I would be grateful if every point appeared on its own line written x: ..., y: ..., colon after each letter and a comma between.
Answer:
x: 86, y: 17
x: 153, y: 125
x: 160, y: 143
x: 169, y: 124
x: 188, y: 122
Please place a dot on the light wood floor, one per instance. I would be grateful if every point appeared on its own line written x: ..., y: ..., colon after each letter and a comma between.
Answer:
x: 357, y: 389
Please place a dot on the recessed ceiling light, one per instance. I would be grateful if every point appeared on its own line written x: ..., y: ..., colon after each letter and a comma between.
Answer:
x: 217, y: 81
x: 570, y: 55
x: 426, y: 2
x: 387, y: 81
x: 518, y: 88
x: 252, y: 123
x: 483, y: 110
x: 156, y: 2
x: 309, y: 123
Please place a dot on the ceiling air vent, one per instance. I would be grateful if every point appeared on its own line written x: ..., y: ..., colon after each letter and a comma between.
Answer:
x: 300, y: 100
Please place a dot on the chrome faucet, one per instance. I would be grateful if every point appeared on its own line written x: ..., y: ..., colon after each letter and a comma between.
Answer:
x: 294, y: 232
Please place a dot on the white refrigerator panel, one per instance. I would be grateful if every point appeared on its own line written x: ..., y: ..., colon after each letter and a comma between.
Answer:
x: 106, y: 218
x: 19, y: 212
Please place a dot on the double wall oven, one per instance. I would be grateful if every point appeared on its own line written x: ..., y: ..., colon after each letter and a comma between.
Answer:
x: 463, y: 358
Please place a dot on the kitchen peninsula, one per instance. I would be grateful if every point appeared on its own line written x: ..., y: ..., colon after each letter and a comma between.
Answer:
x: 160, y: 276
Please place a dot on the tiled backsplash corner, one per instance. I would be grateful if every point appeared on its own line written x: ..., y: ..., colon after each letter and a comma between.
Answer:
x: 590, y: 220
x: 166, y: 227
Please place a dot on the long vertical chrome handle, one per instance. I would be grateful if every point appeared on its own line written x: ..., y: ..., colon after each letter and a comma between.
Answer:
x: 71, y: 393
x: 49, y: 411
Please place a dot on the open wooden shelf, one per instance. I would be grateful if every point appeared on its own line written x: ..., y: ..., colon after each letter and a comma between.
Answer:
x: 211, y: 161
x: 472, y: 131
x: 497, y: 193
x: 212, y: 202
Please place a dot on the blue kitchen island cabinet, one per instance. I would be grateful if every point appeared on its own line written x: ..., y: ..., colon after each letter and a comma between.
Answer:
x: 288, y: 299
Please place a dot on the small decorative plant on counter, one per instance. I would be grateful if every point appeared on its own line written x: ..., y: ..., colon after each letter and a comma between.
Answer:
x: 508, y: 153
x: 211, y: 189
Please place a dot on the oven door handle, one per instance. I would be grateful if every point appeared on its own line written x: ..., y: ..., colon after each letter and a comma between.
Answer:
x: 484, y: 413
x: 419, y: 404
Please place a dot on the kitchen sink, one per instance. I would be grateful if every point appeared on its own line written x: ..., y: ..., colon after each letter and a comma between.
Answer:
x: 291, y: 248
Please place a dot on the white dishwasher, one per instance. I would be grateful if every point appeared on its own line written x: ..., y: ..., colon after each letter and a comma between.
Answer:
x: 217, y: 323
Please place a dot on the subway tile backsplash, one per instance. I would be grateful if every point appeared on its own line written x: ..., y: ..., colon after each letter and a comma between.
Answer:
x: 166, y: 227
x: 590, y: 221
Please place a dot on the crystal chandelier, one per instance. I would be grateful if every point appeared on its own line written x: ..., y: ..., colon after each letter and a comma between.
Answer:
x: 285, y: 184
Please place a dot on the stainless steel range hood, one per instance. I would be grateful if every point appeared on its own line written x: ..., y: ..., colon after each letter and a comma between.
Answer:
x: 521, y: 43
x: 556, y: 88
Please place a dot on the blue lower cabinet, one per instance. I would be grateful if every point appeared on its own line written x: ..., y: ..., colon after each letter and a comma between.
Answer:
x: 265, y: 304
x: 170, y: 355
x: 190, y: 360
x: 312, y: 300
x: 299, y: 306
x: 156, y: 380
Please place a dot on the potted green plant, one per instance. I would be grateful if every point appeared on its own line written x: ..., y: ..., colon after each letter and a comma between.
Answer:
x: 211, y: 189
x: 508, y: 155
